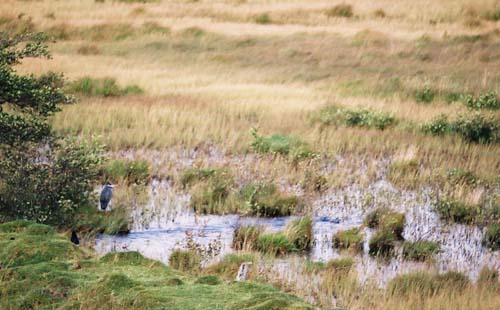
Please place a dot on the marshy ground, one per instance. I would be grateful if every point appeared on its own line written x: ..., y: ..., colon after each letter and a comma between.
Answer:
x: 303, y: 109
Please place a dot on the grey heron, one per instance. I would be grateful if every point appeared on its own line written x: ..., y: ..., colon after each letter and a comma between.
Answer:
x: 106, y: 195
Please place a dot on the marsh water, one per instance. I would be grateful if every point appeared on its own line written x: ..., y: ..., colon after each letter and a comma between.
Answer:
x: 166, y: 223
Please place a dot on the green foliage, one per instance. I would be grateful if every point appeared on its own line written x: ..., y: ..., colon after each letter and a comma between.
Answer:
x: 187, y: 261
x: 425, y: 95
x: 454, y: 211
x: 105, y: 87
x: 299, y: 232
x: 263, y: 19
x: 208, y: 280
x: 340, y: 10
x: 381, y: 244
x: 50, y: 191
x: 484, y: 101
x: 491, y: 237
x: 276, y: 244
x: 131, y: 171
x: 264, y: 199
x: 348, y: 239
x: 438, y: 127
x: 354, y: 117
x: 281, y: 144
x: 419, y: 250
x: 245, y: 237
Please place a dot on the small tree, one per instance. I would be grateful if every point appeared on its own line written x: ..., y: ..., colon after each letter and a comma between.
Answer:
x: 41, y: 178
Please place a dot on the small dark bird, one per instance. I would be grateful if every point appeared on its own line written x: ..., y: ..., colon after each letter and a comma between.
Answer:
x: 106, y: 195
x: 74, y: 238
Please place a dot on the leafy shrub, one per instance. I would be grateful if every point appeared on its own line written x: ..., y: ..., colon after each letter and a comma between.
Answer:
x: 356, y: 117
x: 437, y: 127
x: 425, y: 95
x: 264, y: 199
x: 280, y: 144
x: 245, y: 237
x: 348, y: 239
x: 484, y: 101
x: 299, y: 232
x: 491, y: 238
x: 276, y: 244
x: 184, y: 260
x: 456, y: 212
x: 419, y: 250
x: 416, y: 282
x: 340, y: 10
x: 105, y: 87
x: 477, y: 128
x: 132, y: 171
x: 208, y: 280
x: 381, y: 244
x: 263, y: 19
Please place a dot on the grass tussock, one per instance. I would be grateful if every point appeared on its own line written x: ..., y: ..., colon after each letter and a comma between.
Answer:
x: 186, y: 261
x: 426, y: 284
x: 340, y: 10
x: 420, y: 250
x: 126, y: 171
x: 275, y: 244
x: 245, y: 237
x: 351, y: 239
x: 263, y: 199
x: 299, y: 232
x: 278, y: 144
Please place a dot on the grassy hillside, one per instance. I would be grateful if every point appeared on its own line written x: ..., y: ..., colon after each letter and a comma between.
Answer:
x: 41, y: 269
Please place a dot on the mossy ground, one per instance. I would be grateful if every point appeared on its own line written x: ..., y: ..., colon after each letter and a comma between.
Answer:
x: 46, y: 271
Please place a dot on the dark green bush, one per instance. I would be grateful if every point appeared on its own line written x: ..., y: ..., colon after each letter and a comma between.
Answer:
x: 381, y: 244
x: 484, y: 101
x: 425, y: 95
x: 491, y: 237
x: 185, y: 260
x: 477, y: 128
x: 340, y: 10
x: 348, y: 239
x: 456, y: 212
x: 276, y: 244
x: 419, y: 250
x: 245, y: 237
x: 299, y: 232
x: 105, y: 87
x: 356, y: 117
x: 281, y: 144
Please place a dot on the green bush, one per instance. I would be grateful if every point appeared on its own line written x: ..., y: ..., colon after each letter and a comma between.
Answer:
x: 381, y: 244
x: 276, y: 244
x: 131, y: 171
x: 348, y: 239
x: 299, y: 232
x: 484, y: 101
x: 208, y: 280
x: 419, y: 250
x: 185, y: 260
x: 456, y: 212
x: 425, y: 95
x: 340, y: 10
x: 438, y: 127
x: 264, y: 199
x: 245, y: 237
x: 280, y: 144
x: 105, y: 87
x: 491, y: 237
x: 477, y: 128
x: 355, y: 117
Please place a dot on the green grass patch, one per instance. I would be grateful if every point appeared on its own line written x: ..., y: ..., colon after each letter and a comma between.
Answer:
x: 454, y: 211
x: 279, y: 144
x: 387, y: 220
x: 382, y: 244
x: 351, y: 239
x: 185, y: 260
x: 275, y: 244
x: 245, y: 237
x: 419, y: 250
x: 265, y: 200
x: 129, y: 171
x: 228, y: 267
x: 299, y: 232
x: 353, y: 117
x: 104, y: 87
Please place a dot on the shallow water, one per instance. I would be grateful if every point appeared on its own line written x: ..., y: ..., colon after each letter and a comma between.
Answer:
x: 166, y: 223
